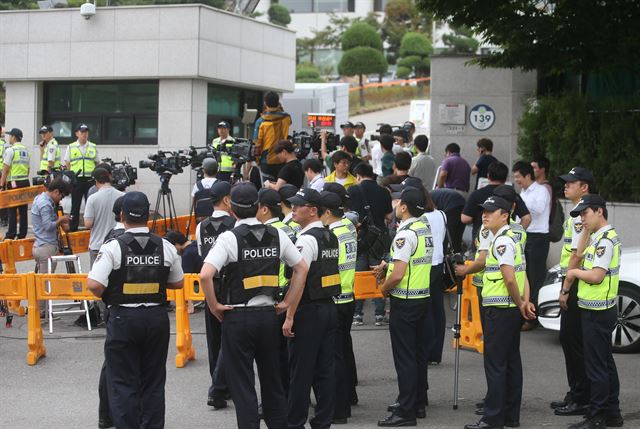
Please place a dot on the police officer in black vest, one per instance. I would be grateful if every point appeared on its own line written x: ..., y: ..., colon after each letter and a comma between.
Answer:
x: 312, y: 341
x: 132, y: 274
x: 206, y: 233
x: 250, y: 255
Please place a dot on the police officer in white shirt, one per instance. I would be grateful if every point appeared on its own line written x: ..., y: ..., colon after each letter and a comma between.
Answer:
x: 538, y: 201
x: 251, y: 255
x: 132, y: 274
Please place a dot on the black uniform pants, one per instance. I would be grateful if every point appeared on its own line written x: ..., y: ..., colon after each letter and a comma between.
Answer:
x: 103, y: 387
x: 571, y: 341
x: 437, y: 317
x: 536, y: 251
x: 344, y: 352
x: 502, y: 365
x: 13, y: 212
x: 213, y: 329
x: 79, y: 192
x: 284, y: 356
x: 598, y: 361
x: 136, y: 353
x: 249, y: 334
x: 312, y: 363
x: 409, y: 331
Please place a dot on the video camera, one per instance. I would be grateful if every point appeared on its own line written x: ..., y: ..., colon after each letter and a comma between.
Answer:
x: 306, y: 142
x: 123, y: 174
x: 395, y: 130
x: 240, y: 151
x: 46, y: 177
x: 166, y: 162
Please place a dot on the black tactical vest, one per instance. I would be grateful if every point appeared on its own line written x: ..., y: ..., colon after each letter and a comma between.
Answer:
x: 211, y: 228
x: 323, y: 280
x: 142, y: 276
x: 114, y: 233
x: 256, y: 272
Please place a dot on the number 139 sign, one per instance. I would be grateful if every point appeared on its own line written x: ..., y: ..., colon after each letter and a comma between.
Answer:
x: 482, y: 117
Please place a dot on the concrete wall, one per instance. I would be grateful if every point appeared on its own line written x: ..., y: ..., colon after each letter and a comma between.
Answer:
x: 505, y: 90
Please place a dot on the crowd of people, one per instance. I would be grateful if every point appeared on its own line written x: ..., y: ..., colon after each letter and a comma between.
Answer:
x: 278, y: 257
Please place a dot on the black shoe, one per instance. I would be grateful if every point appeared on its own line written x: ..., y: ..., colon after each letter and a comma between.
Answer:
x: 105, y: 423
x: 615, y: 421
x: 512, y: 423
x: 421, y: 413
x: 217, y: 403
x: 598, y: 422
x: 339, y: 421
x: 395, y: 421
x: 393, y: 407
x: 480, y: 411
x: 563, y: 403
x: 482, y: 425
x: 572, y: 409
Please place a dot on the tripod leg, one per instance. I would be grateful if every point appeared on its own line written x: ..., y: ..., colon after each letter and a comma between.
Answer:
x: 456, y: 335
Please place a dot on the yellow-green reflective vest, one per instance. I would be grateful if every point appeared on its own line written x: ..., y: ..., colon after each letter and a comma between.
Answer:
x: 226, y: 163
x: 571, y: 226
x: 601, y: 296
x: 44, y: 163
x: 20, y: 163
x: 83, y: 165
x: 494, y: 291
x: 2, y: 145
x: 348, y: 252
x: 476, y: 280
x: 520, y: 236
x: 416, y: 280
x: 283, y: 281
x: 295, y: 226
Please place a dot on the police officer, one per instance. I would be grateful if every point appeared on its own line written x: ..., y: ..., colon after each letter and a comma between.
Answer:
x: 312, y: 349
x: 15, y: 174
x: 49, y: 151
x: 223, y: 142
x: 407, y: 282
x: 81, y: 157
x: 598, y: 279
x: 131, y: 274
x: 348, y: 244
x: 286, y: 192
x: 251, y: 255
x: 577, y: 183
x: 505, y: 296
x: 207, y: 232
x: 3, y: 144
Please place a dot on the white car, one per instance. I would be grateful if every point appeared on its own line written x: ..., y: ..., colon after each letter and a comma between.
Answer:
x: 626, y: 335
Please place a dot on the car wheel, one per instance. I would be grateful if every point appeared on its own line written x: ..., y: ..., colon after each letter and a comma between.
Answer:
x: 626, y: 333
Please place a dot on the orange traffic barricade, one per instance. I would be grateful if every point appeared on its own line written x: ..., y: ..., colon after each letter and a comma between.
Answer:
x: 20, y: 196
x: 365, y: 286
x: 471, y: 327
x: 184, y: 340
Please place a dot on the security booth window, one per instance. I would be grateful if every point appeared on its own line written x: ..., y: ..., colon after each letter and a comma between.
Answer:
x: 227, y: 104
x: 118, y: 113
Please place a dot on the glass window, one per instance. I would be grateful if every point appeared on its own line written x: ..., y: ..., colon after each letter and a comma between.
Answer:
x: 331, y: 6
x: 298, y: 6
x: 119, y: 128
x: 147, y: 128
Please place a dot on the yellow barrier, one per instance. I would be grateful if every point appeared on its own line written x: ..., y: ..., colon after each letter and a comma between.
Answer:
x: 19, y: 197
x: 184, y: 340
x: 471, y: 327
x: 365, y: 286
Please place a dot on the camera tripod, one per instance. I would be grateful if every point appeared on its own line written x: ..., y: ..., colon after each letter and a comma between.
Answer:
x: 165, y: 198
x: 457, y: 326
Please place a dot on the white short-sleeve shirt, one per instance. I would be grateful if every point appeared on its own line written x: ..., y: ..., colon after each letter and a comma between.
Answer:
x: 604, y: 250
x: 504, y: 248
x: 405, y: 242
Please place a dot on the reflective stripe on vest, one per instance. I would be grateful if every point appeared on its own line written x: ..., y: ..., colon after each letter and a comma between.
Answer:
x: 19, y: 169
x: 565, y: 252
x: 494, y: 291
x: 417, y: 275
x: 600, y: 296
x: 283, y: 281
x: 82, y: 165
x: 44, y: 162
x: 226, y: 162
x: 347, y: 247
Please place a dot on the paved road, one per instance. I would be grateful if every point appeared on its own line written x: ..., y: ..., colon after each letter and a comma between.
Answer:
x: 61, y: 391
x: 393, y: 116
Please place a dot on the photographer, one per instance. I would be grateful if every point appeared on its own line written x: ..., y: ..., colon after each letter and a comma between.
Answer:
x: 226, y: 167
x: 49, y: 150
x: 45, y: 223
x: 291, y: 172
x: 98, y: 212
x: 274, y: 126
x: 210, y: 171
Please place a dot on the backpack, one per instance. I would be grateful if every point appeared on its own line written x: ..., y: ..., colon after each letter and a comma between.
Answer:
x: 372, y: 240
x: 556, y: 222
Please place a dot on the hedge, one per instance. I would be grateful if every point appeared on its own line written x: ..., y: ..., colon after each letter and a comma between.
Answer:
x: 602, y: 135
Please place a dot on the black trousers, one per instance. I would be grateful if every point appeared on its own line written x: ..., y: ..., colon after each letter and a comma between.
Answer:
x: 103, y: 388
x: 437, y: 316
x: 536, y: 251
x: 344, y: 348
x: 502, y: 365
x: 456, y: 227
x: 250, y: 334
x: 79, y: 192
x: 13, y: 212
x: 409, y: 331
x: 284, y: 356
x: 312, y: 363
x: 598, y: 361
x: 571, y: 341
x: 213, y: 329
x: 136, y: 353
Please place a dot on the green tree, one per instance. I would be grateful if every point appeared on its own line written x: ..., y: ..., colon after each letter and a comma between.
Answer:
x: 308, y: 73
x: 401, y: 17
x: 415, y: 50
x: 564, y: 36
x: 279, y: 15
x: 18, y: 4
x: 461, y: 41
x: 361, y: 34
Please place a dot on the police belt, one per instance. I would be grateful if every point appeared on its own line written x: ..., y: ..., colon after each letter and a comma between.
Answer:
x: 254, y: 308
